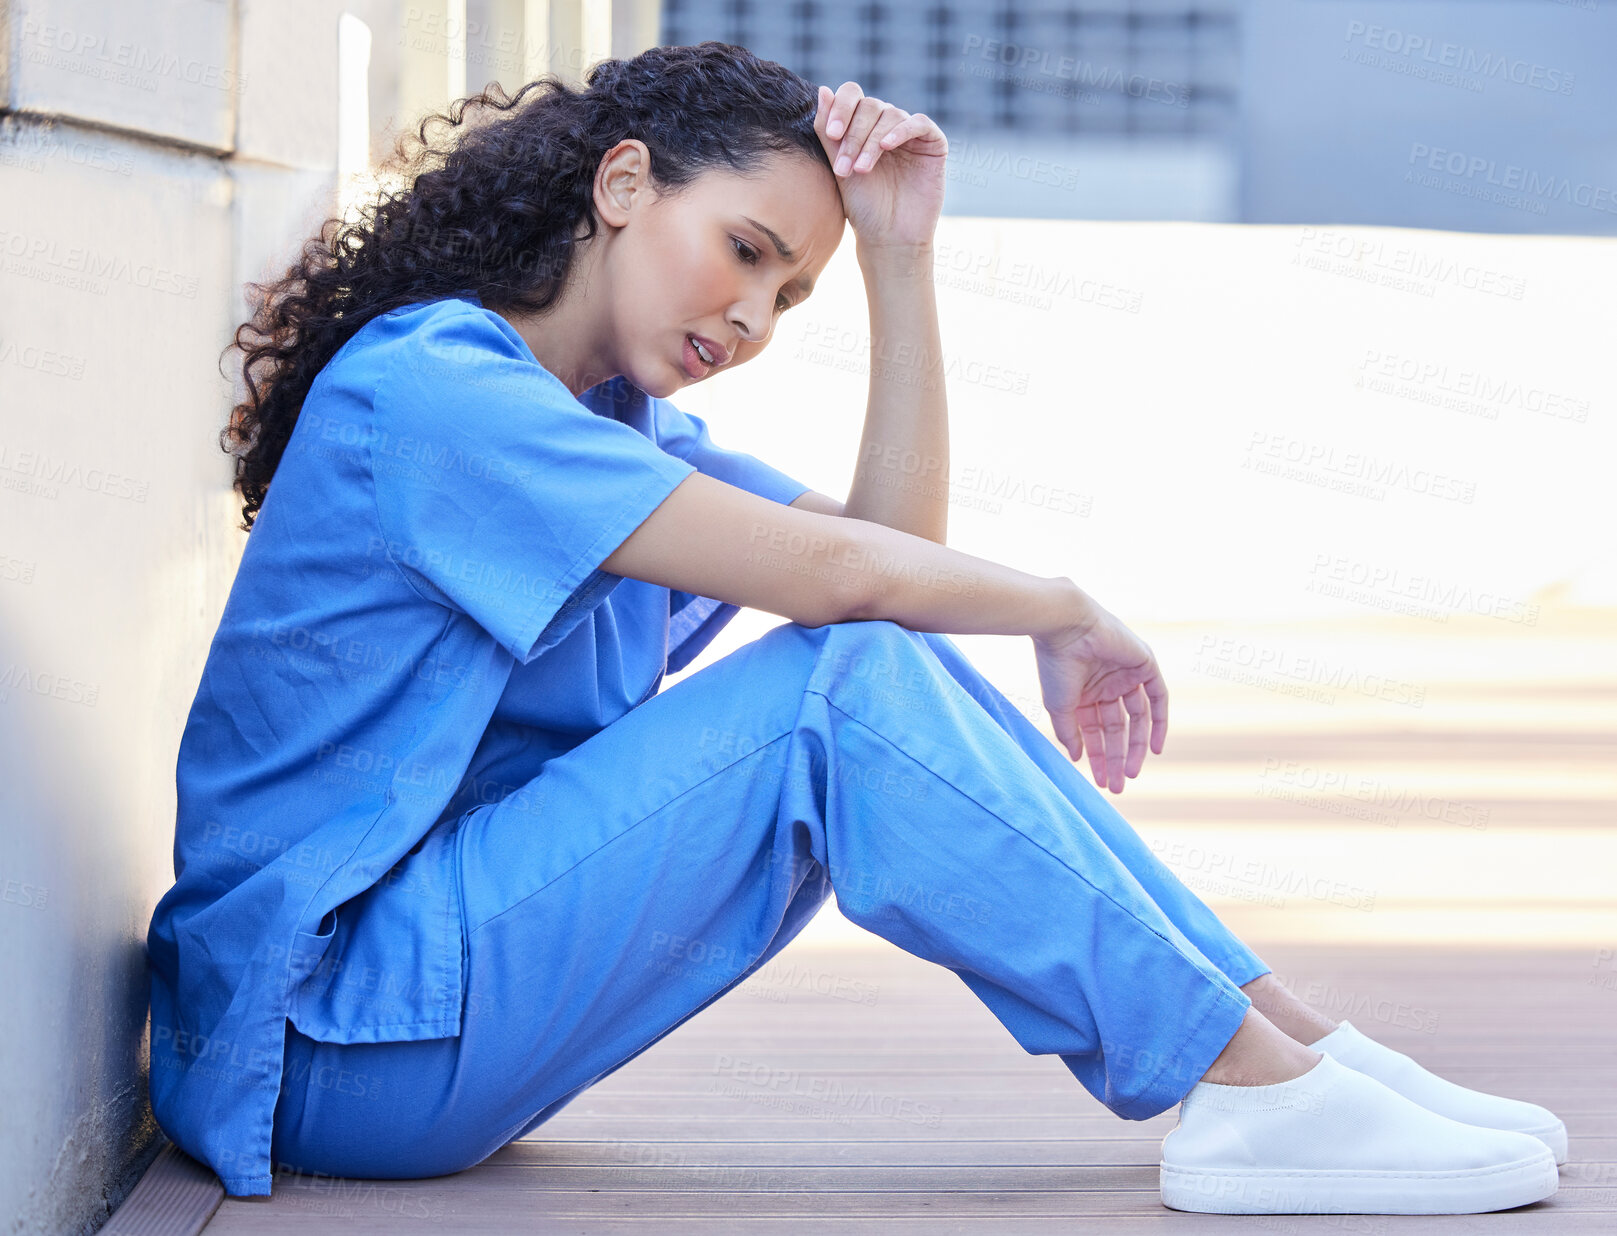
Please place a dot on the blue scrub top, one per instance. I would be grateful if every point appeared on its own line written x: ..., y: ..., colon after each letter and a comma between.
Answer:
x: 418, y: 623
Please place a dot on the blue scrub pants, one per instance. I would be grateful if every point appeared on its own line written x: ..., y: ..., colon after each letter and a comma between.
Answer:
x: 655, y: 866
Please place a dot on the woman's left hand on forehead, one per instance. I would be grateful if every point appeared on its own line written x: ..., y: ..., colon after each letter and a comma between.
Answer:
x: 888, y: 162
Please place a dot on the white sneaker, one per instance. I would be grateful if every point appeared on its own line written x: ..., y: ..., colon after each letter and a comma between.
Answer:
x: 1337, y: 1141
x: 1395, y: 1069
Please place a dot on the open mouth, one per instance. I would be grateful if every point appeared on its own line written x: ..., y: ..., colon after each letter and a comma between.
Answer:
x: 691, y: 361
x: 702, y: 356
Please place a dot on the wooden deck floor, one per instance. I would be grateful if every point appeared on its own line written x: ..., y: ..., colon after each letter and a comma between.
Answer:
x: 903, y: 1106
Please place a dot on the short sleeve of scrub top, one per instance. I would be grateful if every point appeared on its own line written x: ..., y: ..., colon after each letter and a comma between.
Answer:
x: 579, y: 485
x: 419, y: 613
x: 515, y: 544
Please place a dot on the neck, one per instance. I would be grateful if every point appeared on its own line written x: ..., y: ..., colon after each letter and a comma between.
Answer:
x: 567, y: 339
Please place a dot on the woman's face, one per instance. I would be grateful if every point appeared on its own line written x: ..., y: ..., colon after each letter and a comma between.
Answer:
x: 698, y: 278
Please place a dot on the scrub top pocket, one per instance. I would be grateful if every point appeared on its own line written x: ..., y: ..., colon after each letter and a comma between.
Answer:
x: 392, y: 969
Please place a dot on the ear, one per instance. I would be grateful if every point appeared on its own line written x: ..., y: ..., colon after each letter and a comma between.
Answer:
x: 623, y: 176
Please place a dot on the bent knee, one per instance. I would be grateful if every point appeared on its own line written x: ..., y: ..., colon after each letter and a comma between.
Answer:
x: 844, y: 639
x: 871, y: 631
x: 877, y: 652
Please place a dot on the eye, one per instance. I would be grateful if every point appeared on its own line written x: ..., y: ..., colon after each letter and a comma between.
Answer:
x: 744, y: 251
x: 782, y: 304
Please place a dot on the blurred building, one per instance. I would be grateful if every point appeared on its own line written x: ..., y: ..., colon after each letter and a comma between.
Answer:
x: 1449, y: 114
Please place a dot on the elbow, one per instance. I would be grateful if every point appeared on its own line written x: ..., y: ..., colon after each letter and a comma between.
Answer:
x: 849, y: 605
x: 855, y: 594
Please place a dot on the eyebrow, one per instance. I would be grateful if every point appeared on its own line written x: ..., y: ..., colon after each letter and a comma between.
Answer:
x: 784, y: 252
x: 782, y: 249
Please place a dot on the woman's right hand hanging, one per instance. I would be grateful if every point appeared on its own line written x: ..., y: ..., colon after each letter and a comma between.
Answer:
x: 1091, y: 676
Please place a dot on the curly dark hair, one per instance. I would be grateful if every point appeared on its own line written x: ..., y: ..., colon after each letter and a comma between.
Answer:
x: 496, y: 203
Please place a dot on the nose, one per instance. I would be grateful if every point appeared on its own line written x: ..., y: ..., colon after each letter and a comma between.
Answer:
x: 748, y: 312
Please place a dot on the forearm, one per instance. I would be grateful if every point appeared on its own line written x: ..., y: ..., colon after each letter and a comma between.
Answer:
x: 926, y: 586
x: 902, y: 477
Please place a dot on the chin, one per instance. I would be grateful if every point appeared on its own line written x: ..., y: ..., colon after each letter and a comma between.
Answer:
x: 662, y: 384
x: 657, y: 390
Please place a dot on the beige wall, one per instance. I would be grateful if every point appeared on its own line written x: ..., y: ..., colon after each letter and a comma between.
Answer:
x: 159, y: 154
x: 118, y: 239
